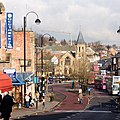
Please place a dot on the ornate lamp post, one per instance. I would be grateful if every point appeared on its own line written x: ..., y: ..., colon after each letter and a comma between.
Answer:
x: 37, y: 21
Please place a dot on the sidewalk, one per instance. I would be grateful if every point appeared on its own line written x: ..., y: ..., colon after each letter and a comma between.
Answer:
x: 49, y: 106
x: 21, y: 112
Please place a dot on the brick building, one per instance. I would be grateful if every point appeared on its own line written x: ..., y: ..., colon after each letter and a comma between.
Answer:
x: 14, y: 58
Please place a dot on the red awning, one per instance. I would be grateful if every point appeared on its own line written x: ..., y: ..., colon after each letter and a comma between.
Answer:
x: 5, y: 82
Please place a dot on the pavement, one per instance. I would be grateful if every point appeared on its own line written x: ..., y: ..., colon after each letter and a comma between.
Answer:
x: 18, y: 113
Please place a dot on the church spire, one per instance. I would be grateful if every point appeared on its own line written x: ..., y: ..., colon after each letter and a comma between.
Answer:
x: 80, y: 39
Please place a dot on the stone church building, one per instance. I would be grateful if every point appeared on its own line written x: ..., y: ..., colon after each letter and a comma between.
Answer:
x: 69, y: 62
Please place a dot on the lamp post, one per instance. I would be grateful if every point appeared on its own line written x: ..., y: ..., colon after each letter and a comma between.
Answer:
x: 37, y: 21
x: 79, y: 57
x: 42, y: 71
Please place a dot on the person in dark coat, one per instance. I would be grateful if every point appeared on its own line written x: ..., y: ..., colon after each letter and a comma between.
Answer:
x: 6, y: 106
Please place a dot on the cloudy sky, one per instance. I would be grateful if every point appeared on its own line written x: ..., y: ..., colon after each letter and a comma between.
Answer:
x: 98, y: 20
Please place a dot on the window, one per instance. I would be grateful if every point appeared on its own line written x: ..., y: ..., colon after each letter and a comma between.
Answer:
x: 82, y: 48
x: 8, y: 56
x: 67, y: 61
x: 65, y: 70
x: 118, y: 62
x: 29, y: 62
x: 79, y: 49
x: 73, y: 63
x: 70, y: 71
x: 61, y: 62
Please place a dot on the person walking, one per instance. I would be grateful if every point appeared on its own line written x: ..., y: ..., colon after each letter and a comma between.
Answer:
x: 27, y: 98
x: 80, y: 96
x: 6, y: 106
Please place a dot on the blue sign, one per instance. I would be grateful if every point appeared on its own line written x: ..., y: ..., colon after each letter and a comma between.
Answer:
x: 9, y: 31
x: 10, y: 71
x: 36, y: 80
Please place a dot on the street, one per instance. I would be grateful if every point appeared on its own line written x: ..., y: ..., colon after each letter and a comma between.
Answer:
x: 101, y: 101
x: 99, y: 106
x: 75, y: 116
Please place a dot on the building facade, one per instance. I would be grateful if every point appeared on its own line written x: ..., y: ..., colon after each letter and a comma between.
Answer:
x: 14, y: 58
x: 69, y: 62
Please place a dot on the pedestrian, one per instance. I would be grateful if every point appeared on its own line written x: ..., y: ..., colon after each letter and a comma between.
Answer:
x: 89, y: 89
x: 73, y: 84
x: 31, y: 102
x: 6, y: 106
x: 80, y: 96
x: 27, y: 98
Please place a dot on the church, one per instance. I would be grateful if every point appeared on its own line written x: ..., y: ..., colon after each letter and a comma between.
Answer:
x: 74, y: 61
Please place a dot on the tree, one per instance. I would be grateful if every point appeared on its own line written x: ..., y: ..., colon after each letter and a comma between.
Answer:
x: 97, y: 46
x: 82, y: 72
x: 63, y: 42
x: 108, y: 48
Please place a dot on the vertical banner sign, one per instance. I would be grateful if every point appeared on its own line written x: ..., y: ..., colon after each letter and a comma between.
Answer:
x: 0, y: 33
x: 9, y: 31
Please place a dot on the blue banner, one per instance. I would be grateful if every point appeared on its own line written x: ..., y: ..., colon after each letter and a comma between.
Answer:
x: 9, y: 31
x: 36, y: 80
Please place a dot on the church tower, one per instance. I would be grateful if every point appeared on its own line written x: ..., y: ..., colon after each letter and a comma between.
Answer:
x: 80, y: 46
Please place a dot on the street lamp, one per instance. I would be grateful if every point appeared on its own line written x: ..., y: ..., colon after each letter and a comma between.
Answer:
x: 37, y: 21
x: 118, y: 31
x: 79, y: 57
x: 42, y: 71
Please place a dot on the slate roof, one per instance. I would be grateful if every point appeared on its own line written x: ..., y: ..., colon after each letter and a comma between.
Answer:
x: 61, y: 48
x: 80, y: 39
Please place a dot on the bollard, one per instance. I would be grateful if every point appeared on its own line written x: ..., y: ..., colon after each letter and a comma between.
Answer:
x: 36, y: 103
x: 43, y: 102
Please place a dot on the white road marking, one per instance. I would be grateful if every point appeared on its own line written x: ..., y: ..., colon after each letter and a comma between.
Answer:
x: 62, y: 111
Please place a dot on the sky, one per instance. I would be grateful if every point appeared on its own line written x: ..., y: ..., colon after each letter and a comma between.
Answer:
x: 98, y: 20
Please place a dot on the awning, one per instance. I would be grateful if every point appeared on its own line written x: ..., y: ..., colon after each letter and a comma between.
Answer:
x: 16, y: 81
x: 5, y: 82
x: 26, y: 77
x: 21, y: 78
